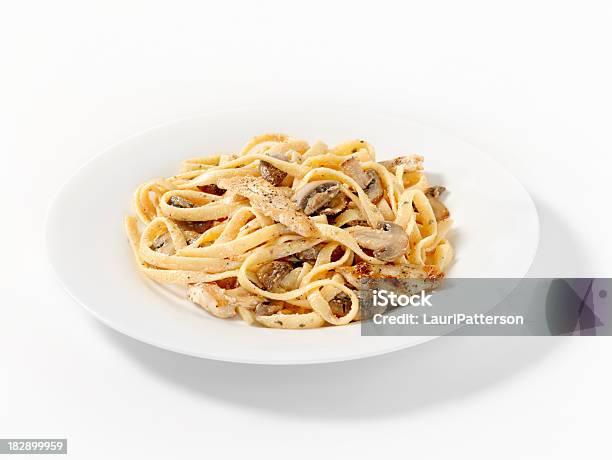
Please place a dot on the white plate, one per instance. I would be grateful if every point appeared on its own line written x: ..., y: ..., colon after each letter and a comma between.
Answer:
x: 495, y: 235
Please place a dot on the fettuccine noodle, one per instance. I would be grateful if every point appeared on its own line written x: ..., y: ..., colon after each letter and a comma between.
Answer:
x: 277, y: 233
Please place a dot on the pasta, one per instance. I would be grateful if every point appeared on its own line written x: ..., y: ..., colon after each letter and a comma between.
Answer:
x: 280, y: 233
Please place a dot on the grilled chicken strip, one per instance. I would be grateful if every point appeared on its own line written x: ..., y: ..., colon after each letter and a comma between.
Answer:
x: 389, y: 241
x: 270, y: 201
x: 221, y: 302
x: 401, y: 279
x: 404, y: 278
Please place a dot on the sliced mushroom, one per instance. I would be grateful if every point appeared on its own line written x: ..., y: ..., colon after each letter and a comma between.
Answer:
x: 180, y: 202
x: 193, y: 230
x: 271, y: 274
x: 190, y: 236
x: 268, y: 308
x: 335, y: 206
x: 163, y: 244
x: 388, y: 242
x: 411, y: 163
x: 368, y: 180
x: 352, y: 168
x: 270, y: 172
x: 310, y: 253
x: 195, y: 226
x: 440, y: 211
x: 211, y: 189
x: 374, y: 189
x: 435, y: 191
x: 341, y: 304
x: 320, y: 197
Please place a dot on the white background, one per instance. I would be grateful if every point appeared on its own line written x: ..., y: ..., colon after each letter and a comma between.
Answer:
x: 528, y: 82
